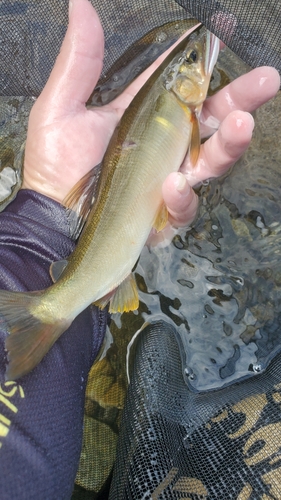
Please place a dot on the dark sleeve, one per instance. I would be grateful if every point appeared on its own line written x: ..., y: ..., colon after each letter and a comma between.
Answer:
x: 41, y: 415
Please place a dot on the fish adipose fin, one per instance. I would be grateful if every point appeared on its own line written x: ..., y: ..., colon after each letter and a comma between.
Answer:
x: 194, y: 148
x: 29, y: 339
x: 80, y: 199
x: 125, y: 298
x: 161, y: 218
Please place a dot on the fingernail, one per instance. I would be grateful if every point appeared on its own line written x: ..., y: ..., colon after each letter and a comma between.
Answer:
x: 252, y: 121
x: 181, y: 183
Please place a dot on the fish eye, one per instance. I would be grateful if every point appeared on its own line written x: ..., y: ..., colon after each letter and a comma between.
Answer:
x: 191, y: 57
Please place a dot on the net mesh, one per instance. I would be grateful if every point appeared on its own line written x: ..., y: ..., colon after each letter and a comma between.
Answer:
x: 32, y: 31
x: 173, y: 443
x: 250, y: 28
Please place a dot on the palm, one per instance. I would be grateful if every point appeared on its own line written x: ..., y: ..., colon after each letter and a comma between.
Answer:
x: 58, y: 154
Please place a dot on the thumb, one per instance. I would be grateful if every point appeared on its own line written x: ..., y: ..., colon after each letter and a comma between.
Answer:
x: 79, y: 63
x: 180, y: 199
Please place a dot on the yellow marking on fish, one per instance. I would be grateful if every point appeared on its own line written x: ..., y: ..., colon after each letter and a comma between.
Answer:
x: 163, y: 121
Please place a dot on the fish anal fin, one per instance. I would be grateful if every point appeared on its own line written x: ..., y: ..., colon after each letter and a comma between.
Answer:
x: 126, y: 297
x: 80, y: 199
x: 103, y: 301
x: 57, y: 268
x: 195, y: 141
x: 161, y: 218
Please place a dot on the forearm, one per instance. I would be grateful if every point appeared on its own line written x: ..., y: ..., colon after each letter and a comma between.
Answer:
x: 42, y: 415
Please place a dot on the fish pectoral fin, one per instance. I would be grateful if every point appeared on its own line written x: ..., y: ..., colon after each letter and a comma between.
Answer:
x: 161, y: 218
x: 125, y: 297
x: 80, y: 199
x: 57, y: 268
x: 194, y: 148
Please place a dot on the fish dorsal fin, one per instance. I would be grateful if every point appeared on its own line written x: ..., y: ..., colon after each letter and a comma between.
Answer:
x: 194, y: 148
x: 123, y: 299
x: 161, y: 218
x: 80, y: 199
x: 57, y: 268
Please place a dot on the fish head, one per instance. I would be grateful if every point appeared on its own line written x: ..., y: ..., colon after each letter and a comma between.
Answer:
x: 189, y: 74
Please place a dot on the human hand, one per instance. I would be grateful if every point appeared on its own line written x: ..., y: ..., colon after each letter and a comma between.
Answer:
x: 230, y: 108
x: 65, y: 139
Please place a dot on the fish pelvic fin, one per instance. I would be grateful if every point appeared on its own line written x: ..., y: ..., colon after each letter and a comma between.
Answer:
x: 161, y: 218
x: 124, y: 299
x: 29, y: 339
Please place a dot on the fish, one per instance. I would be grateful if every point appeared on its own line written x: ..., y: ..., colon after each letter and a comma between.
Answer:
x: 121, y: 202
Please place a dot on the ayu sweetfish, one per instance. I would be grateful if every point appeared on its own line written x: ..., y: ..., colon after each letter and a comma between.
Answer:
x: 151, y: 141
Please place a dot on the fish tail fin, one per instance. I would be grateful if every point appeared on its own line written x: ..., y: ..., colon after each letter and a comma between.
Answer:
x: 29, y: 338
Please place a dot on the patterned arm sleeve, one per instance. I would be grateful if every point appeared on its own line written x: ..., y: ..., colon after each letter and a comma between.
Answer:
x: 41, y: 415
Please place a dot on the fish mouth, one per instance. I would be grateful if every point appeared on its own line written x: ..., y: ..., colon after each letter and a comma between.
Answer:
x: 212, y: 48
